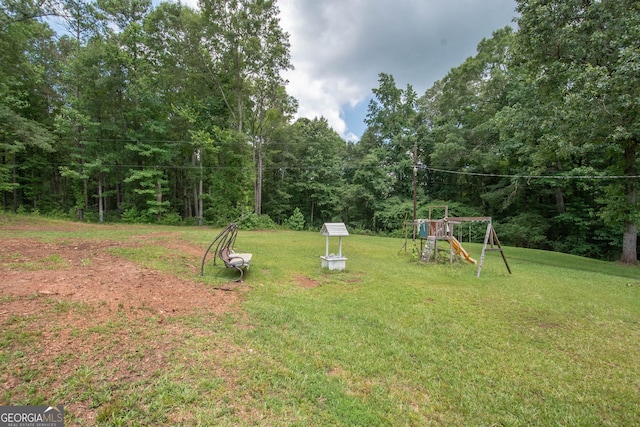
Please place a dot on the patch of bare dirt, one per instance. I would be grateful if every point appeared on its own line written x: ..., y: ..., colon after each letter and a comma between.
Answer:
x: 75, y: 308
x: 306, y: 282
x: 85, y: 272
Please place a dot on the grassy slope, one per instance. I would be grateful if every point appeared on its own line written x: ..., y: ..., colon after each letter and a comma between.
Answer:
x: 390, y: 342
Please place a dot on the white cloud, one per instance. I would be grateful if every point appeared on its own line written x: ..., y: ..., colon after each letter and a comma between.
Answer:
x: 316, y: 44
x: 339, y: 47
x: 324, y: 97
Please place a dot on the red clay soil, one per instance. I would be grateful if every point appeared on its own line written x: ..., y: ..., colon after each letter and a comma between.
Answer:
x: 85, y: 272
x: 61, y: 289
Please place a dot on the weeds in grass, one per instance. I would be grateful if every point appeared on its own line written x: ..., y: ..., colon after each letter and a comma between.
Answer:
x: 50, y: 262
x: 157, y: 258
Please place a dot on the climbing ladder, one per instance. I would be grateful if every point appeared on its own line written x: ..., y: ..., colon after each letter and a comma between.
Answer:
x: 428, y: 249
x: 429, y: 231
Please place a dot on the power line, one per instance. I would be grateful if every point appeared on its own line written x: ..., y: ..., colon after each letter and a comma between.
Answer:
x: 529, y: 177
x: 338, y: 168
x: 349, y: 167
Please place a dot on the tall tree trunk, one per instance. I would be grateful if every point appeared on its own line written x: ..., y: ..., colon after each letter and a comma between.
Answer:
x: 312, y: 206
x: 118, y: 197
x: 630, y: 236
x: 159, y: 199
x: 196, y: 193
x: 14, y: 181
x: 85, y: 194
x: 560, y: 205
x: 187, y: 210
x: 199, y: 200
x: 79, y: 144
x: 258, y: 187
x: 100, y: 201
x: 196, y: 212
x: 629, y: 244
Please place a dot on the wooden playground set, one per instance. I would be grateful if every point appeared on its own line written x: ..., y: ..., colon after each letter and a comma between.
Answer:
x: 431, y: 231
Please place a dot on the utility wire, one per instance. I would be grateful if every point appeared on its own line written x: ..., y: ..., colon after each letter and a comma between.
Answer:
x: 528, y: 177
x: 350, y: 167
x: 424, y: 167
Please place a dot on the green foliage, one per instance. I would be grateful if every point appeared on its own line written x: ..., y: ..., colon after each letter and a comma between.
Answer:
x: 617, y: 208
x: 307, y: 173
x: 525, y: 230
x: 180, y: 115
x: 26, y: 108
x: 296, y: 220
x: 251, y: 221
x: 171, y: 218
x: 393, y: 214
x: 134, y: 216
x: 584, y: 109
x: 393, y: 132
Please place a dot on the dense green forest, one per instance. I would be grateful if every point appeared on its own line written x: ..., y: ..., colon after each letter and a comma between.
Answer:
x: 146, y: 112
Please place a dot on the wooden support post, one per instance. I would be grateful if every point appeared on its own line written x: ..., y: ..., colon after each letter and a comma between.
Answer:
x: 484, y: 248
x: 492, y: 238
x: 501, y: 251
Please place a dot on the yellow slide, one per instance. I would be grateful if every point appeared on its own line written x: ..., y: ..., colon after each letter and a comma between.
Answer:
x: 460, y: 250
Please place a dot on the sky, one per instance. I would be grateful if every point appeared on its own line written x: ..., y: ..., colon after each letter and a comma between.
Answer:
x: 339, y: 48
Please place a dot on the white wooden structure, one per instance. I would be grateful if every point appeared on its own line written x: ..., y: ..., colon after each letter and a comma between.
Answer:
x: 333, y: 261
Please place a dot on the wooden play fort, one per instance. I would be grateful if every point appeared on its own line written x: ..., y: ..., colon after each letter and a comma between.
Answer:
x: 431, y: 231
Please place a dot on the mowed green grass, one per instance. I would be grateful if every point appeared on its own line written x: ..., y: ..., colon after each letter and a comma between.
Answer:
x: 387, y: 342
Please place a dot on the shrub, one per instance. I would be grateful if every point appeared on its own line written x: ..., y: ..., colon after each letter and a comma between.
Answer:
x: 252, y: 221
x: 526, y: 230
x: 296, y: 220
x: 134, y: 216
x: 171, y: 219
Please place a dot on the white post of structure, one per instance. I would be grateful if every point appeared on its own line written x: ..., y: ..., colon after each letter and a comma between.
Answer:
x: 484, y: 248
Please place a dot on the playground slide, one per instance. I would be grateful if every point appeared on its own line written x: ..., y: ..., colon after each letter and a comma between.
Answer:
x: 455, y: 244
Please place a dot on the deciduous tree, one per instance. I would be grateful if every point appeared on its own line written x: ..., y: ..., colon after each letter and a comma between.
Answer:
x: 583, y: 57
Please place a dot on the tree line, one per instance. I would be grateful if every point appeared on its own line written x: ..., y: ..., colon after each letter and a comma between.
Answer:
x: 130, y: 111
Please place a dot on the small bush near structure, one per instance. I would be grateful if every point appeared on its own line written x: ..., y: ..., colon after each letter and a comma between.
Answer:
x: 296, y: 220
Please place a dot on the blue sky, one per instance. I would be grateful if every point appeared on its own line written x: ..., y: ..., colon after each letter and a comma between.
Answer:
x: 339, y: 47
x: 354, y: 117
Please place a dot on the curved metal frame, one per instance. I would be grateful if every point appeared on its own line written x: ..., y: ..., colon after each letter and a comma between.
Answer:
x: 224, y: 243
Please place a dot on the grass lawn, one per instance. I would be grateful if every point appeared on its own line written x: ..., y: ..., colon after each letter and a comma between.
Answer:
x: 387, y: 342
